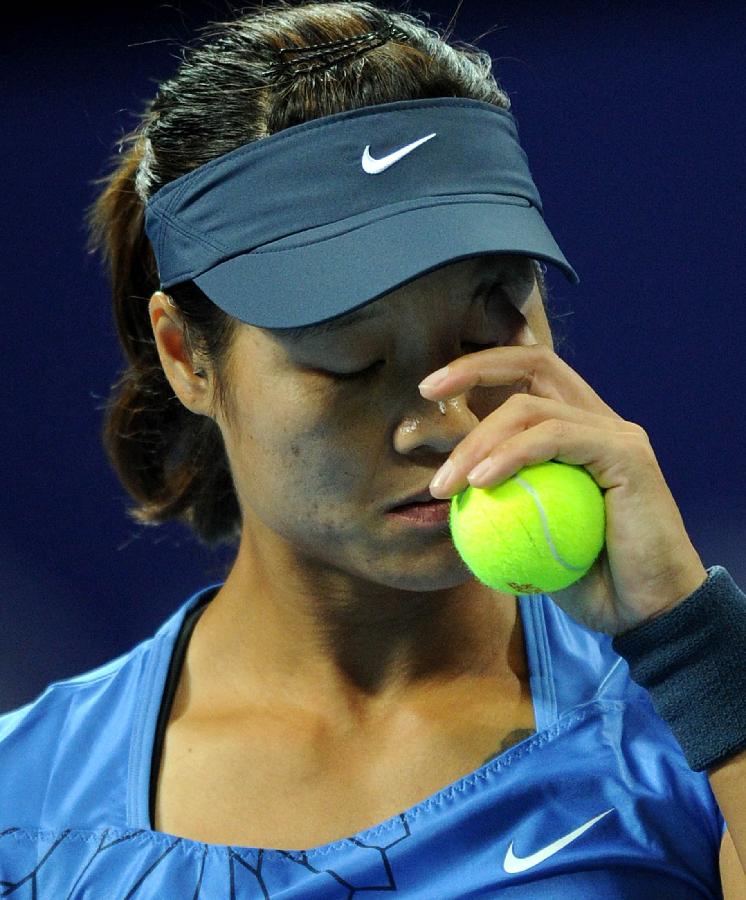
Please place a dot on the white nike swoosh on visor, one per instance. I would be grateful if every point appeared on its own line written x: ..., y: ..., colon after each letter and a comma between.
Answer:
x: 374, y: 166
x: 513, y: 863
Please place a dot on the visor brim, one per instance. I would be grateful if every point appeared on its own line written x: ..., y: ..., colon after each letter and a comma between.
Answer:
x: 325, y: 272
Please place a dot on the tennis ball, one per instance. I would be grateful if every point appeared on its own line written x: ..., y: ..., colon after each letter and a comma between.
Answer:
x: 539, y: 531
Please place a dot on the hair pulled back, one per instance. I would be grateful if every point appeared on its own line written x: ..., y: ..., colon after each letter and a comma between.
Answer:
x: 172, y: 462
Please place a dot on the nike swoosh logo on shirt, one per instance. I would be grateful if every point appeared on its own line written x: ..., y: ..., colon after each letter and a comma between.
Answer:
x: 375, y: 166
x: 513, y: 863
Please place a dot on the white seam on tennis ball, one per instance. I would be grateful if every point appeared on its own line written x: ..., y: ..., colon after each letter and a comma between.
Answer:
x: 545, y: 525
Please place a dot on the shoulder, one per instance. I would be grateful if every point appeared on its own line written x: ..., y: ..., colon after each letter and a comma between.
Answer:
x: 47, y: 743
x: 66, y: 756
x: 53, y: 705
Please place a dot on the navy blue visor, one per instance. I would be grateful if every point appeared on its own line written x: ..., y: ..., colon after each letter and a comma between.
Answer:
x: 327, y: 216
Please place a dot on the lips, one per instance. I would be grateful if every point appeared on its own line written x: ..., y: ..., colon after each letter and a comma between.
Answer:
x: 431, y: 503
x: 414, y: 499
x: 434, y: 514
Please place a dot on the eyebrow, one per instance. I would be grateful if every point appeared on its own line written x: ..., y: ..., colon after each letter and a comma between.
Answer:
x: 372, y: 310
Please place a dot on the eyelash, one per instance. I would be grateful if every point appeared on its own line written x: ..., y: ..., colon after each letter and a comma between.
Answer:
x: 351, y: 376
x: 363, y: 373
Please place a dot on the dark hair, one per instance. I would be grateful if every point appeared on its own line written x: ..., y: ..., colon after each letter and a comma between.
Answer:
x: 172, y: 462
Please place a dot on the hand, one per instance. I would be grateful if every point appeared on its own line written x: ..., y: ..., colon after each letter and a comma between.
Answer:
x: 648, y: 564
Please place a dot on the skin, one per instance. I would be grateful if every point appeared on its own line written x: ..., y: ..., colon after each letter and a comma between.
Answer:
x: 333, y: 612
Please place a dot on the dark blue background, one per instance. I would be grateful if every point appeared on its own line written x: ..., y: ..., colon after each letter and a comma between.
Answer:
x: 632, y: 116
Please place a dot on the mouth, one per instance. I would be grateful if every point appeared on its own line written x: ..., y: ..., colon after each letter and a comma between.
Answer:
x: 422, y: 497
x: 431, y: 512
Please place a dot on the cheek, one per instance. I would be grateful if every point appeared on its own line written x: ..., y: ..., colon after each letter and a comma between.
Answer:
x: 334, y: 459
x: 296, y: 460
x: 322, y: 467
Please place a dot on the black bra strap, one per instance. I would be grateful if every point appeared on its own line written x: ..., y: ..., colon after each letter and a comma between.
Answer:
x: 172, y: 680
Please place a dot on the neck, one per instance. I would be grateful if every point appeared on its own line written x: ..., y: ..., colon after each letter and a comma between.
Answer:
x: 349, y: 656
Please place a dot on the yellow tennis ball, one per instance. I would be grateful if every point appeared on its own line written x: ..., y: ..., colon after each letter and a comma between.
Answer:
x: 539, y: 531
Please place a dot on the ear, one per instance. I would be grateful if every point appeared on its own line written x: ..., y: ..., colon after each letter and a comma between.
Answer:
x: 192, y: 389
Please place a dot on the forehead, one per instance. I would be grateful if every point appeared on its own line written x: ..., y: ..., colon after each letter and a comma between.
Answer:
x: 474, y: 271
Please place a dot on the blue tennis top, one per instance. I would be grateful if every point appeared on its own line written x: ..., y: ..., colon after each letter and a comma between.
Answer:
x: 599, y: 802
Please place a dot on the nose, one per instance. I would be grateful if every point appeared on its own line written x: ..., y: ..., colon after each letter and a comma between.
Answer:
x: 439, y: 427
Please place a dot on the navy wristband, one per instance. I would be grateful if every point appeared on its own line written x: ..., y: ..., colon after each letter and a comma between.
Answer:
x: 692, y: 662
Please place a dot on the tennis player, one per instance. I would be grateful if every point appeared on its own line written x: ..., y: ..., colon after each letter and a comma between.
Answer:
x: 326, y: 203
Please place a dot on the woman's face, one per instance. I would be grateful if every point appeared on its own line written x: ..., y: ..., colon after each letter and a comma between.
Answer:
x: 329, y: 431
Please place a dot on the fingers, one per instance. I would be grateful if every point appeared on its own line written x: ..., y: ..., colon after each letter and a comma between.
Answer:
x: 611, y: 456
x: 517, y: 415
x: 536, y: 368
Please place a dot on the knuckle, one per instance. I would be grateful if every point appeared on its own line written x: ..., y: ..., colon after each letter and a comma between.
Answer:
x: 639, y: 443
x: 559, y: 427
x: 638, y: 433
x: 644, y: 442
x: 542, y: 356
x: 641, y: 432
x: 538, y: 363
x: 519, y: 400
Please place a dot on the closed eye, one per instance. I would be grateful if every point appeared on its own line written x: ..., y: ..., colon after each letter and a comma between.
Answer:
x: 369, y: 370
x: 349, y: 376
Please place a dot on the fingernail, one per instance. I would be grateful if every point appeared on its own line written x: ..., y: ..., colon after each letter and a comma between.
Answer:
x: 432, y: 381
x: 441, y: 476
